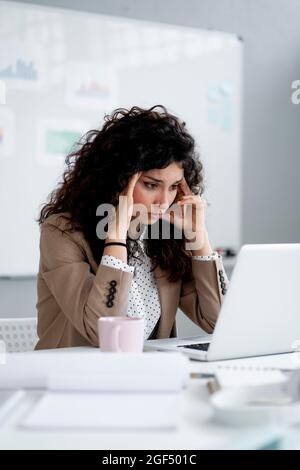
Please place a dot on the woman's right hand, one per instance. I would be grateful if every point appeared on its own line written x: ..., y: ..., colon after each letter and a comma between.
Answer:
x: 124, y: 211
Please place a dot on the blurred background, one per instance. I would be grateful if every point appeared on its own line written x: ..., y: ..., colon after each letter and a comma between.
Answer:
x: 224, y: 67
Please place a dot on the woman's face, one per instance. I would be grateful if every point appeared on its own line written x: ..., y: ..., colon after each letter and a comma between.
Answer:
x: 156, y: 190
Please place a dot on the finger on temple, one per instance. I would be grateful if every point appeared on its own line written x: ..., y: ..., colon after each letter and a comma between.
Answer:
x: 185, y: 187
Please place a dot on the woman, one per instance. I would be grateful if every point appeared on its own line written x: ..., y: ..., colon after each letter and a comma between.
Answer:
x: 141, y: 158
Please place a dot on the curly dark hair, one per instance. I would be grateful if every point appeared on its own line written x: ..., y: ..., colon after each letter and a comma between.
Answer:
x: 103, y: 162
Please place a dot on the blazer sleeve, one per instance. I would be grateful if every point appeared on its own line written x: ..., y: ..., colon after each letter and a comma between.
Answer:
x: 82, y: 296
x: 202, y: 296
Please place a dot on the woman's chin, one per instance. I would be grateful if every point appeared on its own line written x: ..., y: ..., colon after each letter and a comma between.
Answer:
x: 152, y: 219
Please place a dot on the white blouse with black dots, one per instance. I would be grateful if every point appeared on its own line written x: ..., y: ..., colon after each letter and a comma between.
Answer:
x: 143, y: 301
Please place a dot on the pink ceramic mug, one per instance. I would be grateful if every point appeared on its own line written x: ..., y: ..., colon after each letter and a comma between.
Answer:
x: 121, y: 334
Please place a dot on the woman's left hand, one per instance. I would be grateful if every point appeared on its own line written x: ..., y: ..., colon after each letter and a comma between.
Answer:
x: 188, y: 213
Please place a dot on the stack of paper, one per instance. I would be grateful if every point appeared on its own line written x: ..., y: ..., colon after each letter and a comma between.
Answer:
x: 76, y: 371
x: 107, y: 391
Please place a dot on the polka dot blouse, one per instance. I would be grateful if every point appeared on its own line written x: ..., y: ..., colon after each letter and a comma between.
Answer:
x: 143, y: 301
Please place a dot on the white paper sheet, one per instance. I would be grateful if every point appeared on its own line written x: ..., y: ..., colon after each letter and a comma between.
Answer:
x: 105, y: 410
x: 8, y: 400
x: 76, y: 371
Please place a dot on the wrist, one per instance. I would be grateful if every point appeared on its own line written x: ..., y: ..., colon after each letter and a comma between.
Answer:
x: 116, y: 235
x: 206, y: 251
x: 112, y: 238
x: 199, y: 244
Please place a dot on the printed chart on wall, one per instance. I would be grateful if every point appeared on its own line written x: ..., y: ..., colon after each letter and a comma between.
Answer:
x: 64, y: 70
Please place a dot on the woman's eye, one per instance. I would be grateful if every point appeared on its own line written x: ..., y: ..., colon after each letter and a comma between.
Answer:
x: 152, y: 186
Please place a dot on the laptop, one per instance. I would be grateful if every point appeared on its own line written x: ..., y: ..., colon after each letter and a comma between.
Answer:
x: 260, y: 314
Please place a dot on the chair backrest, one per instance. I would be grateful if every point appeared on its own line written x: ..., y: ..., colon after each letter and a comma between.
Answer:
x: 18, y: 334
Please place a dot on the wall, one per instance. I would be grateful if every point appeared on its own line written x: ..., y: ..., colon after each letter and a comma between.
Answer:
x: 271, y: 34
x: 271, y: 148
x: 60, y: 85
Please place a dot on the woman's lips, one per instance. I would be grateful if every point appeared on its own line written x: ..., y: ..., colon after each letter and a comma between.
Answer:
x: 155, y: 215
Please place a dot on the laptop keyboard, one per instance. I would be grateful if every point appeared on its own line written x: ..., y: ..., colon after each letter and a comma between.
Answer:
x: 199, y: 347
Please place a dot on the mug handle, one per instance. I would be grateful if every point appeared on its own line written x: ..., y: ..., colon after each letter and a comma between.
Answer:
x: 115, y: 338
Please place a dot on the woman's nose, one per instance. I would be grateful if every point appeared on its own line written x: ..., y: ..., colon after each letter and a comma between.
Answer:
x: 164, y: 206
x: 162, y: 203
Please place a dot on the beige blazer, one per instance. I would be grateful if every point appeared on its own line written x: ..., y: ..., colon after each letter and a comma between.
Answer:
x: 72, y: 291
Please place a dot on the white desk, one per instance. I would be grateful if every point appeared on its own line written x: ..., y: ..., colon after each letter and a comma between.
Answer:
x: 196, y: 430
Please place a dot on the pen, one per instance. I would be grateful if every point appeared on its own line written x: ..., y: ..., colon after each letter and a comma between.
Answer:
x: 201, y: 375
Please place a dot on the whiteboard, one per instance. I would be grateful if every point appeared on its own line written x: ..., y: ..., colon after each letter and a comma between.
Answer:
x: 60, y: 83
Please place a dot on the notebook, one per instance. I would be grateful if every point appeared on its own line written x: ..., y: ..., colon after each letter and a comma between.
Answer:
x: 241, y: 377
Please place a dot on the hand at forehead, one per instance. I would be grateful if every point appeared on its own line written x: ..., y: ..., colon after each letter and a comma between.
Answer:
x: 184, y: 187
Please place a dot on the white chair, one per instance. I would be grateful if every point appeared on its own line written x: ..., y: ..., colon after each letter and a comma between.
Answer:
x: 18, y: 334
